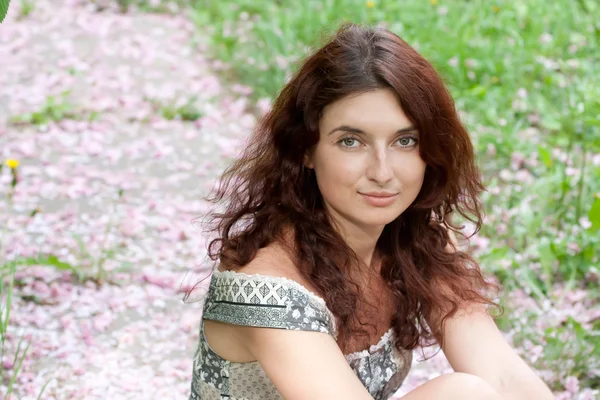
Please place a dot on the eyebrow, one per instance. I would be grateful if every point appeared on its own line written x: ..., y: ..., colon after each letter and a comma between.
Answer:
x: 346, y: 128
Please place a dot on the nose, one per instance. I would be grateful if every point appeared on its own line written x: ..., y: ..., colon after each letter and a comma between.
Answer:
x: 380, y: 169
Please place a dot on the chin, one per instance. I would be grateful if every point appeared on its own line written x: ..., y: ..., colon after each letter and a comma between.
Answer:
x: 381, y: 216
x: 380, y: 219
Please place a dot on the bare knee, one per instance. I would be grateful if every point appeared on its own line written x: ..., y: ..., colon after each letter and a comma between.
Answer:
x: 455, y: 386
x: 469, y: 387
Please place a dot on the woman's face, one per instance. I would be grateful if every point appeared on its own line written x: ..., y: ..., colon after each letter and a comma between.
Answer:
x: 367, y: 161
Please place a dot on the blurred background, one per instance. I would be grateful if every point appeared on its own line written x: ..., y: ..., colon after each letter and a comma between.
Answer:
x: 117, y: 117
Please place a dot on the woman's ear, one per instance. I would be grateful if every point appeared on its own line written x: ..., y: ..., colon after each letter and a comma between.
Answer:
x: 308, y: 160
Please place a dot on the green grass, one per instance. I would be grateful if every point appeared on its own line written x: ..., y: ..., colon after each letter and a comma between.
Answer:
x: 54, y: 109
x: 7, y: 378
x: 162, y: 6
x: 27, y: 7
x: 95, y: 271
x: 7, y: 285
x: 187, y: 111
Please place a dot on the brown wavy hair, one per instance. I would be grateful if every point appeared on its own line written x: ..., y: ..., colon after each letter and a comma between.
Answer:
x: 267, y: 189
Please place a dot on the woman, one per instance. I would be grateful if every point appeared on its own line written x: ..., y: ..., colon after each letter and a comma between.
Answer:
x: 336, y: 254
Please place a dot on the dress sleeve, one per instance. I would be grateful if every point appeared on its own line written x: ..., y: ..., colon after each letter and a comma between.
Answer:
x: 266, y: 301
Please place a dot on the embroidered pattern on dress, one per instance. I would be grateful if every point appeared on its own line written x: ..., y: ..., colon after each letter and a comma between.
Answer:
x: 264, y: 301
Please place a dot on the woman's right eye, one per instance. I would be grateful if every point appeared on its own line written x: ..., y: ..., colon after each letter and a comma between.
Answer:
x: 347, y: 141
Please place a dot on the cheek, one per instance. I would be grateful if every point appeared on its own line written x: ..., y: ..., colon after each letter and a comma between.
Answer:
x: 337, y: 170
x: 412, y: 175
x: 335, y: 176
x: 337, y: 180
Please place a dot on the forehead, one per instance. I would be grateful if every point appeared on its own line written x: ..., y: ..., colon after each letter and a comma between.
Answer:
x: 377, y: 109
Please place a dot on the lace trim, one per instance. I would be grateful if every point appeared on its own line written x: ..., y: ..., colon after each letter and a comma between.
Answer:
x: 278, y: 279
x: 385, y: 339
x: 268, y: 278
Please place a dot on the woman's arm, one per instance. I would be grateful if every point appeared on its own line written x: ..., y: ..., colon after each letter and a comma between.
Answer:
x: 473, y: 344
x: 303, y: 364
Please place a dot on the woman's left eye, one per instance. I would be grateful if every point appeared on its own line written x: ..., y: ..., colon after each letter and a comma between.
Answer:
x: 406, y: 141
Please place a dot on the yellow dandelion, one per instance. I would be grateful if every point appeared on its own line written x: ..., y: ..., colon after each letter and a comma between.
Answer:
x: 495, y: 9
x: 433, y: 2
x: 12, y: 163
x: 370, y: 4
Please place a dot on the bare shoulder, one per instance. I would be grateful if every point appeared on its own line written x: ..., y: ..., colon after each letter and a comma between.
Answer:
x: 275, y: 260
x: 235, y: 342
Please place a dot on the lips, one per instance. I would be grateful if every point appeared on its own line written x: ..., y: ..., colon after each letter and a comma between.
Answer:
x: 379, y: 194
x: 379, y: 199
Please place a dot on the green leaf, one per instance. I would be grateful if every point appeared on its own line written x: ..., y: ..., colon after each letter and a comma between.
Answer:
x: 552, y: 124
x: 545, y: 156
x: 553, y: 349
x: 3, y: 9
x: 50, y: 260
x: 547, y: 258
x: 55, y: 262
x: 479, y: 91
x: 594, y: 214
x: 580, y: 331
x: 536, y: 286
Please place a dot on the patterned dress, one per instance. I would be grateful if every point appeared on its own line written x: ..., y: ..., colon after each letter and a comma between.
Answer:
x: 274, y: 302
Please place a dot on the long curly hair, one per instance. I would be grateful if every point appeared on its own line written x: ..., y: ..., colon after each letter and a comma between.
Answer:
x: 267, y: 189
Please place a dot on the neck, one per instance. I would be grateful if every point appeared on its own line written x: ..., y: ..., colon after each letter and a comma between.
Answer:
x: 362, y: 241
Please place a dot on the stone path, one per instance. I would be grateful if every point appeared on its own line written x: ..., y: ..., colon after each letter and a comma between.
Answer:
x: 134, y: 338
